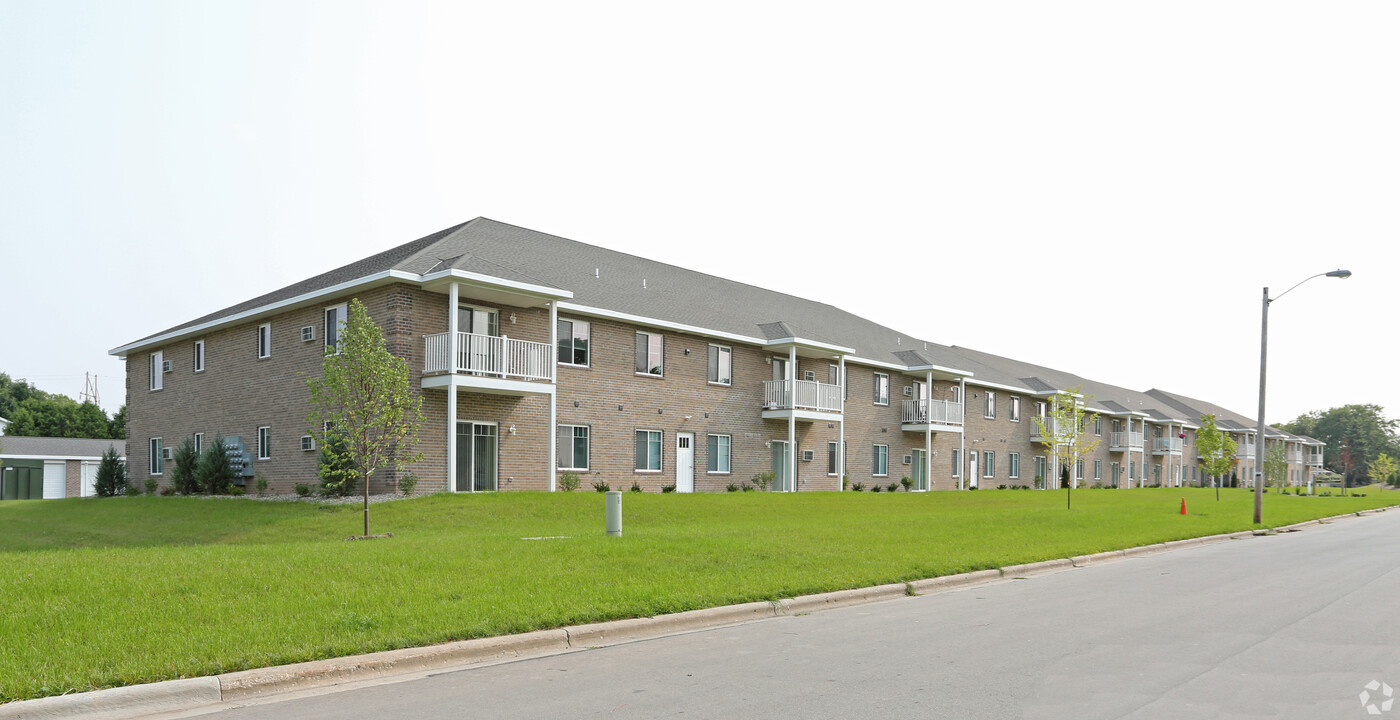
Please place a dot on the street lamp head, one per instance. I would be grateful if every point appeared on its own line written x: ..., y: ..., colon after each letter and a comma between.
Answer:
x: 1340, y: 274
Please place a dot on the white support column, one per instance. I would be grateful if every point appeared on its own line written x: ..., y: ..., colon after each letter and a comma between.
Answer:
x: 452, y: 297
x: 928, y: 430
x: 841, y: 430
x: 962, y: 436
x: 791, y: 482
x: 553, y: 434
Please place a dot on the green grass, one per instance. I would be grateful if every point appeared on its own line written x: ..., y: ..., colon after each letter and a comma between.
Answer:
x: 114, y: 592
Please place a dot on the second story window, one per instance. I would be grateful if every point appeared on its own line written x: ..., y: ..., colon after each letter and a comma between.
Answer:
x: 1015, y: 409
x: 721, y: 365
x: 1098, y: 425
x: 573, y: 342
x: 336, y: 318
x: 990, y: 410
x: 199, y: 356
x: 157, y: 370
x: 265, y: 340
x: 650, y: 355
x: 882, y: 389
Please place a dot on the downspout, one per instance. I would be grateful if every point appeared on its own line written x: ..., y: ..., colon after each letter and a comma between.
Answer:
x: 792, y: 421
x: 553, y: 432
x: 452, y: 300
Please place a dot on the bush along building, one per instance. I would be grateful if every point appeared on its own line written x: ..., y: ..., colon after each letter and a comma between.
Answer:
x: 536, y: 355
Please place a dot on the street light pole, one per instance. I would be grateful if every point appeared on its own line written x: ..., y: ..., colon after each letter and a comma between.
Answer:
x: 1263, y: 372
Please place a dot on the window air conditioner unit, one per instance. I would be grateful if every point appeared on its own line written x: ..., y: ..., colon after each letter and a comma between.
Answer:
x: 808, y: 455
x: 165, y: 366
x: 167, y: 454
x: 809, y: 376
x: 308, y: 334
x: 908, y: 459
x: 908, y: 391
x: 308, y: 443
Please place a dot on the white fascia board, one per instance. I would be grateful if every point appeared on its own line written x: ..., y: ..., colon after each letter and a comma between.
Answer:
x: 999, y: 386
x: 379, y: 277
x: 56, y: 457
x: 813, y: 344
x: 663, y: 324
x: 495, y: 282
x: 940, y: 369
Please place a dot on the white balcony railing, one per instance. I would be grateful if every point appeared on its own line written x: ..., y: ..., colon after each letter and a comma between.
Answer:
x: 938, y: 412
x: 1315, y: 459
x: 1166, y: 445
x: 1295, y: 456
x: 1244, y: 450
x: 1126, y: 439
x: 489, y: 355
x: 801, y: 395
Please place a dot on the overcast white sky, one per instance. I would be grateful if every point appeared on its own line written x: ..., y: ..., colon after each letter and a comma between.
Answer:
x: 1101, y: 187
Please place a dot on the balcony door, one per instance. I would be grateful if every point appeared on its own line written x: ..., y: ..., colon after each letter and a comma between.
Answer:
x: 476, y: 457
x: 477, y: 349
x: 921, y: 404
x: 920, y: 474
x: 782, y: 459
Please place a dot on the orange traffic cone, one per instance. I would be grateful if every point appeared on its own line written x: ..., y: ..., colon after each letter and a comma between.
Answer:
x: 1183, y: 506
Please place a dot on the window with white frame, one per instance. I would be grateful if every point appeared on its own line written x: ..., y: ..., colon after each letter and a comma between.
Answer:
x: 198, y: 443
x: 647, y: 452
x: 1013, y: 465
x: 717, y: 452
x: 336, y: 317
x: 265, y: 340
x: 1098, y: 469
x: 1098, y: 425
x: 1015, y: 409
x: 308, y: 443
x: 881, y: 465
x: 882, y: 389
x: 199, y: 356
x: 573, y: 342
x: 157, y: 370
x: 989, y: 464
x: 990, y: 408
x: 1040, y: 469
x: 831, y: 458
x: 650, y: 354
x: 157, y: 459
x: 1079, y: 470
x: 833, y: 374
x: 1040, y: 410
x: 264, y: 443
x: 721, y: 365
x: 957, y: 463
x: 573, y: 447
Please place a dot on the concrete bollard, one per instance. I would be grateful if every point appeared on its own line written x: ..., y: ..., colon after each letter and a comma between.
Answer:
x: 614, y: 512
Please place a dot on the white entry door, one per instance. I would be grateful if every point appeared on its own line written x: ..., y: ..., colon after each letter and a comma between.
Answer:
x: 685, y: 462
x: 972, y: 469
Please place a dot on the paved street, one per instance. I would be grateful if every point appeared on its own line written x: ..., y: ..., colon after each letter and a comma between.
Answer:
x: 1290, y: 626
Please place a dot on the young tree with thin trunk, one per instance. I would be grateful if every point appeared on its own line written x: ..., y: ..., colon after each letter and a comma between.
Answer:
x: 1062, y: 434
x: 1382, y: 468
x: 364, y: 397
x: 1216, y: 449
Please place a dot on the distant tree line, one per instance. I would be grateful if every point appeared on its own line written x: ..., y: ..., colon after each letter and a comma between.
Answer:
x: 1356, y: 437
x: 35, y: 413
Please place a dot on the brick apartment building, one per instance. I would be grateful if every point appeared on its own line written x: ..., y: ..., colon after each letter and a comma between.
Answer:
x: 550, y: 355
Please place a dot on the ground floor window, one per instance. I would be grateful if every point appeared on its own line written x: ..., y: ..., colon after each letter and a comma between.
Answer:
x: 957, y: 463
x: 573, y: 447
x: 1098, y: 469
x: 157, y: 447
x: 1013, y: 462
x: 647, y: 456
x: 989, y: 464
x: 718, y: 452
x: 881, y: 465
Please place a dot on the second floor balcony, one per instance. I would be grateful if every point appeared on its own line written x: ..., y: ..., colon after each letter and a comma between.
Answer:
x: 807, y: 399
x: 1315, y: 459
x: 931, y: 412
x: 1162, y: 446
x: 1125, y: 441
x: 489, y: 356
x: 1244, y: 450
x: 1295, y: 456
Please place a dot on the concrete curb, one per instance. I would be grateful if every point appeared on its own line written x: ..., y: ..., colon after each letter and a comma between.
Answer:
x: 175, y: 695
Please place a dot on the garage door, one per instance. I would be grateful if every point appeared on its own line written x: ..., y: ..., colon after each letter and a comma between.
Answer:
x: 55, y: 479
x: 88, y: 488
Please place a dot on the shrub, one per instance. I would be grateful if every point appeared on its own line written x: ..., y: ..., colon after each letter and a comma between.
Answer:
x: 335, y: 468
x: 260, y: 484
x: 111, y: 474
x: 133, y: 490
x: 407, y: 483
x: 601, y: 486
x: 875, y: 487
x: 731, y: 487
x: 1001, y: 487
x: 668, y: 488
x: 894, y: 486
x: 182, y: 471
x: 858, y: 487
x: 746, y: 488
x: 167, y: 490
x: 214, y: 471
x: 569, y: 481
x: 763, y: 480
x: 635, y: 487
x: 907, y: 482
x: 235, y: 490
x: 152, y: 485
x: 303, y: 490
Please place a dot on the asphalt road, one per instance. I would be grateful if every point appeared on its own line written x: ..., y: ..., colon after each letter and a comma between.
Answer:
x: 1287, y: 626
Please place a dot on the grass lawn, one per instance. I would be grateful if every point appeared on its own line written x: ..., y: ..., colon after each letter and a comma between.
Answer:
x: 120, y: 591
